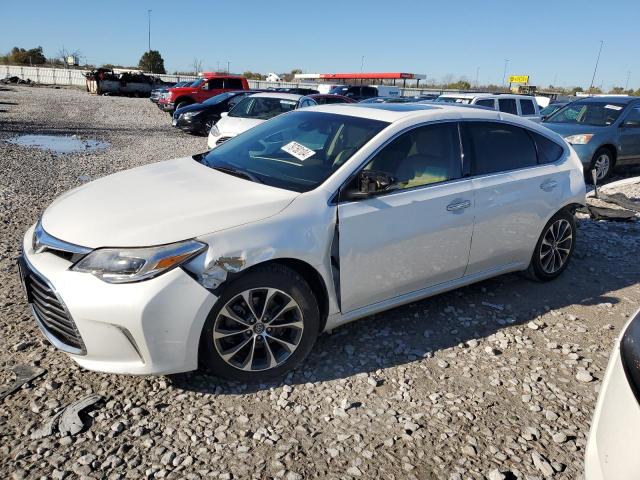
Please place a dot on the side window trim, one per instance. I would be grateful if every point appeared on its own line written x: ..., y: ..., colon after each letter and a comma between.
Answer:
x: 335, y: 198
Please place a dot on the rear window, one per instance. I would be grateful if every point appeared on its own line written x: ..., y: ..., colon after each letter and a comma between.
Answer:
x: 262, y: 108
x: 548, y: 150
x: 488, y: 102
x: 507, y: 105
x: 234, y: 83
x: 527, y: 108
x: 498, y: 147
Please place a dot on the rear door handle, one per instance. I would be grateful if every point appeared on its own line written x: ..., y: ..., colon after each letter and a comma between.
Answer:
x: 548, y: 185
x: 453, y: 207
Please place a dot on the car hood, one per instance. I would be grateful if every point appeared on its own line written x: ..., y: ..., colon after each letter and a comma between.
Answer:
x: 232, y: 126
x: 160, y: 203
x: 566, y: 129
x: 182, y: 91
x: 195, y: 107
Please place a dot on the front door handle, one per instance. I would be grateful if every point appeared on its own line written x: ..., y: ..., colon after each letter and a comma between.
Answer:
x: 454, y: 207
x: 548, y: 185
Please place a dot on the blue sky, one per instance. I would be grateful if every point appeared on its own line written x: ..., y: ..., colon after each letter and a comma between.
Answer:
x: 546, y: 39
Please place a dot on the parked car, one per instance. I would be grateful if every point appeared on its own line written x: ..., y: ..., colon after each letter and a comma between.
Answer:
x: 551, y: 109
x: 158, y: 92
x: 238, y: 258
x: 604, y: 131
x: 210, y: 85
x: 521, y: 105
x: 252, y: 111
x: 296, y: 90
x: 324, y: 99
x: 612, y: 448
x: 200, y: 117
x: 362, y: 92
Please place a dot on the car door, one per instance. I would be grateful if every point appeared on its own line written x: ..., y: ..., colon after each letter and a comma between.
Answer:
x: 414, y: 236
x: 515, y: 192
x: 629, y: 137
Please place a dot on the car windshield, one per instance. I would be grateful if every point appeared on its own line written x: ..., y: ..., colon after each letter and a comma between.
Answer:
x: 598, y: 114
x: 219, y: 98
x: 338, y: 90
x: 452, y: 100
x: 297, y: 151
x: 262, y: 108
x: 550, y: 109
x: 197, y: 83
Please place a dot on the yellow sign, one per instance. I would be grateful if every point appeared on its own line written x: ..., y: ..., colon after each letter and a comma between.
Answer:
x: 518, y: 78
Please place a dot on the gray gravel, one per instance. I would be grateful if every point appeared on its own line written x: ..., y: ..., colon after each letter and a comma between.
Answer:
x: 494, y: 381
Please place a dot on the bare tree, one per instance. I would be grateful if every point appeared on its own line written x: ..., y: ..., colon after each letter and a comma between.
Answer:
x: 63, y: 54
x: 197, y: 66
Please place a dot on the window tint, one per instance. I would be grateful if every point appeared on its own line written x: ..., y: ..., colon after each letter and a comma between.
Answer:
x: 425, y: 155
x: 235, y: 99
x: 487, y: 102
x: 507, y: 105
x: 548, y: 150
x: 215, y: 83
x: 234, y: 83
x: 369, y: 92
x: 527, y: 108
x: 498, y: 147
x: 633, y: 119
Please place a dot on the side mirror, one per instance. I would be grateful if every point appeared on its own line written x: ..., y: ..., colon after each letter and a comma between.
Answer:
x: 370, y: 182
x: 224, y: 114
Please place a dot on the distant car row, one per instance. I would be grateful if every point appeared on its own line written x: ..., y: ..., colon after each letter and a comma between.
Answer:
x: 604, y: 131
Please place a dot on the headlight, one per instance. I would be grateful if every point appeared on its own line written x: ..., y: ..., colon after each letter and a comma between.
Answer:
x: 188, y: 115
x: 581, y: 139
x: 125, y: 265
x: 214, y: 131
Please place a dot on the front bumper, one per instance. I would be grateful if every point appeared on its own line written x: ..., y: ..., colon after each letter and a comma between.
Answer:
x: 166, y: 106
x: 190, y: 124
x: 214, y: 140
x: 148, y: 327
x: 612, y: 449
x: 585, y: 153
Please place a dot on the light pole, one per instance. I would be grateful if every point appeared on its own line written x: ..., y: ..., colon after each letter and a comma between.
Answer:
x: 595, y: 69
x: 149, y: 28
x: 362, y: 64
x: 228, y: 63
x: 477, y: 73
x: 626, y: 85
x: 504, y: 73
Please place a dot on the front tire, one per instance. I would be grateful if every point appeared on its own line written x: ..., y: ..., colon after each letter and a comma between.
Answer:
x: 262, y: 326
x: 603, y: 162
x: 554, y: 248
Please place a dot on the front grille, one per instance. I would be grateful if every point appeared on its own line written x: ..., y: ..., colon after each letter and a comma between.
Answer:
x: 222, y: 140
x: 50, y: 310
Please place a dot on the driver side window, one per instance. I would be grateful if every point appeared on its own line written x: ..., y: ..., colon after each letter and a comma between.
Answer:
x: 422, y: 156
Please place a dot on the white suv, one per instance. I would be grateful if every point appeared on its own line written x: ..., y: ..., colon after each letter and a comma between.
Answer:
x: 521, y: 105
x: 239, y: 258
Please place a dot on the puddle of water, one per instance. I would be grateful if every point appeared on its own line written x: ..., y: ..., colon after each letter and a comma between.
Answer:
x: 59, y: 143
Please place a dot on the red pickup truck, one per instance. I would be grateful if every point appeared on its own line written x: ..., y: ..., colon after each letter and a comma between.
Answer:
x: 210, y: 85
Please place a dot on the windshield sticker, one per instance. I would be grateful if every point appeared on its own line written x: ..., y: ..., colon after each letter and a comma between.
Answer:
x: 298, y: 150
x: 613, y: 107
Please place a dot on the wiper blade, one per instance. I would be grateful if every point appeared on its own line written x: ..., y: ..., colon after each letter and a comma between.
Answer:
x: 238, y: 173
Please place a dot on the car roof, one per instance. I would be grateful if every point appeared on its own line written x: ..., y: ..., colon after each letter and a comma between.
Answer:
x: 282, y: 95
x: 609, y: 99
x: 465, y: 95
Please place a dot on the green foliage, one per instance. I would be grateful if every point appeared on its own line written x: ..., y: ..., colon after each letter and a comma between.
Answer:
x: 21, y: 56
x: 459, y: 85
x: 249, y: 75
x: 152, y: 62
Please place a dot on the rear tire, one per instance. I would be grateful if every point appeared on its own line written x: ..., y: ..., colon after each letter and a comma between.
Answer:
x: 263, y: 325
x: 554, y: 248
x: 181, y: 104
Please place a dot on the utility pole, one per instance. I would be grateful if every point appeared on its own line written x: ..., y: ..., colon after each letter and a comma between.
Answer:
x: 149, y: 28
x: 228, y: 63
x: 477, y: 73
x: 362, y: 64
x: 626, y: 85
x: 504, y: 73
x: 595, y: 69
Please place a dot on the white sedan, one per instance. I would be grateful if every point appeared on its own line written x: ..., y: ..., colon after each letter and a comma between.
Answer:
x: 237, y: 259
x: 612, y: 450
x: 252, y: 111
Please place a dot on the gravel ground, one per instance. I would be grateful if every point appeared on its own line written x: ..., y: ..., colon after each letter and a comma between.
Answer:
x: 496, y: 381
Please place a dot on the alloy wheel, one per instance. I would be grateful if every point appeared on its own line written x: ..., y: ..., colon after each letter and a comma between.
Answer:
x: 258, y: 329
x: 602, y: 165
x: 556, y: 246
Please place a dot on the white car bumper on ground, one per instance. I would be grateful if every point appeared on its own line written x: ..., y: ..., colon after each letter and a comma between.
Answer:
x: 214, y: 140
x: 612, y: 450
x: 148, y: 327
